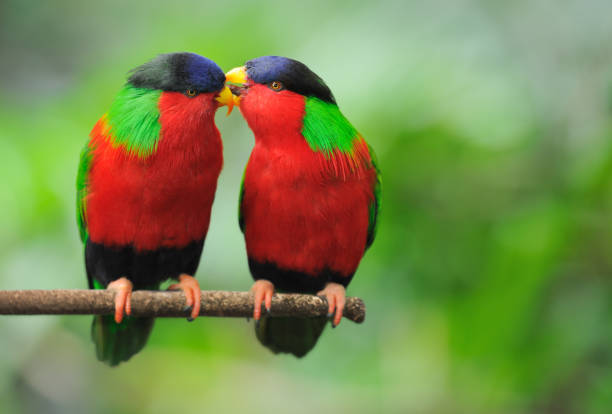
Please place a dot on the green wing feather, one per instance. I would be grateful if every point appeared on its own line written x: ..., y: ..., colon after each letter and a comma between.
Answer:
x: 81, y: 188
x: 376, y: 203
x: 240, y: 197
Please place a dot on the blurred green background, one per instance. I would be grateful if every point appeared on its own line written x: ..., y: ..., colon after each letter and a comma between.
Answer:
x: 488, y: 287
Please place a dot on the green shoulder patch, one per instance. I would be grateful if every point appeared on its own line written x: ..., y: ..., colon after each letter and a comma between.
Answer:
x: 133, y: 120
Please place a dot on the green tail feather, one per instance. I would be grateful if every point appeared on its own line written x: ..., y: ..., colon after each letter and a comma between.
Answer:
x: 115, y: 342
x: 118, y: 342
x: 295, y: 336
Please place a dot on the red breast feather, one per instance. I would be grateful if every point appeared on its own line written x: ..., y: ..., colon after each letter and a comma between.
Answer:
x: 165, y: 199
x: 297, y: 214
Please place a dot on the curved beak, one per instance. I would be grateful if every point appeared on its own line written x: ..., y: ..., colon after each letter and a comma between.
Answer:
x: 236, y: 75
x: 226, y: 97
x: 237, y: 79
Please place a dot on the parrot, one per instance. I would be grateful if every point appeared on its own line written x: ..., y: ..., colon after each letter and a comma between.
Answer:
x: 145, y: 186
x: 309, y: 200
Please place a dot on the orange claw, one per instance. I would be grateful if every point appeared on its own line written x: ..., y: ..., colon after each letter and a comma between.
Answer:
x: 193, y: 295
x: 336, y: 298
x: 123, y: 294
x: 262, y: 291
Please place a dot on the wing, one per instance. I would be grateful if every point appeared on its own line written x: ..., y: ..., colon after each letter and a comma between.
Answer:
x: 376, y: 202
x: 81, y: 190
x: 240, y: 197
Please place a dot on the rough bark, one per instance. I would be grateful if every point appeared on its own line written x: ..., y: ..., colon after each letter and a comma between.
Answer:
x: 165, y: 304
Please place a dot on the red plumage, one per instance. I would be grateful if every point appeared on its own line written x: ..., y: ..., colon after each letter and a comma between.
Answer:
x: 165, y: 199
x: 298, y: 214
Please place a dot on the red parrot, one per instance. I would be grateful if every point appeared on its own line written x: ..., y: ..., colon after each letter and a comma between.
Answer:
x: 145, y: 187
x: 310, y: 196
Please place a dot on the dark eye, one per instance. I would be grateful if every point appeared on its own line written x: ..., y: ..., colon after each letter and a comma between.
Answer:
x: 276, y: 86
x: 191, y: 92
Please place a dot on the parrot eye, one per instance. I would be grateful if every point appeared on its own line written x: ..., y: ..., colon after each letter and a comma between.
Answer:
x: 191, y: 92
x: 276, y: 86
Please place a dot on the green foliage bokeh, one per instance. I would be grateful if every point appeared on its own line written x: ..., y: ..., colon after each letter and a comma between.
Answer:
x: 488, y: 287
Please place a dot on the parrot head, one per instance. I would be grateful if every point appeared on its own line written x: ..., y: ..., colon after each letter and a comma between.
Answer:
x: 286, y: 105
x: 198, y: 80
x: 272, y: 90
x: 176, y: 91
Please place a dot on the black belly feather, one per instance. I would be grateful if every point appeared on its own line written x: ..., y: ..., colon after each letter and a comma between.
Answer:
x: 144, y: 269
x: 295, y: 281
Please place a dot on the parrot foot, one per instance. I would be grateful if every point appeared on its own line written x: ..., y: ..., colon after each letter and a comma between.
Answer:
x: 262, y: 291
x: 335, y: 294
x: 123, y: 293
x: 193, y: 295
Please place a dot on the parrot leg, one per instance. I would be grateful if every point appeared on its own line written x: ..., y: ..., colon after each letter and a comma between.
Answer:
x: 193, y: 295
x: 336, y: 298
x: 262, y: 291
x: 123, y: 293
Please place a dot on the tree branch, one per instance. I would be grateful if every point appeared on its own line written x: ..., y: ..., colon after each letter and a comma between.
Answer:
x: 166, y: 304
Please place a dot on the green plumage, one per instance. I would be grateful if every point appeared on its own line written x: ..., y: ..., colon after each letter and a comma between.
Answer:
x: 81, y: 185
x: 133, y: 120
x: 240, y: 198
x: 375, y: 206
x: 295, y: 336
x: 115, y: 342
x: 326, y: 129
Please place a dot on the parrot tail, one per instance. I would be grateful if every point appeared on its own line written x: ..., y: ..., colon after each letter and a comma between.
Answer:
x: 295, y: 336
x: 118, y: 342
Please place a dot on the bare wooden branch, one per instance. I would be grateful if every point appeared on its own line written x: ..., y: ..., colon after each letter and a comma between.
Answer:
x: 166, y: 304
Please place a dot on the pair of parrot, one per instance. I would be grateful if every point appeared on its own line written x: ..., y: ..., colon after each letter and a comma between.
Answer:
x: 147, y: 178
